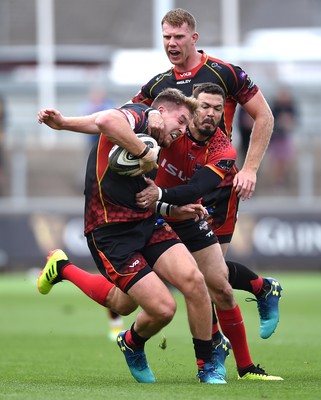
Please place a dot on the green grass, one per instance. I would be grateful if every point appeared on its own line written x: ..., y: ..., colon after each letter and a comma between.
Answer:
x: 56, y: 347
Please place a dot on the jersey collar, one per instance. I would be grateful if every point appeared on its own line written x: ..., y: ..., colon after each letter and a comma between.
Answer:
x: 191, y: 73
x: 198, y: 142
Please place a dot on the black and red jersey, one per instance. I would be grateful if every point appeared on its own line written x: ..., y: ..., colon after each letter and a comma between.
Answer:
x: 185, y: 157
x: 110, y: 197
x: 238, y: 87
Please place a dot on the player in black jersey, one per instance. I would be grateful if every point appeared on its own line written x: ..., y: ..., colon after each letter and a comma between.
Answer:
x: 191, y: 68
x: 130, y: 249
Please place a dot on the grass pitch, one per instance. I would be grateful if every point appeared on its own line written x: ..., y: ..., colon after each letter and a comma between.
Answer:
x: 56, y: 347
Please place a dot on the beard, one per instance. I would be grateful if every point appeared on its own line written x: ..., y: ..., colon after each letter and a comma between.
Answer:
x: 207, y: 132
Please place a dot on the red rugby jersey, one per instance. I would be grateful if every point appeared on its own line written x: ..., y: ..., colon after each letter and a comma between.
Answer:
x: 185, y: 156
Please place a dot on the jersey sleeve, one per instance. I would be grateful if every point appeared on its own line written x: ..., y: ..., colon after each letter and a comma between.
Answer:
x: 221, y: 158
x: 151, y: 89
x: 245, y: 87
x: 135, y: 114
x: 202, y: 182
x: 145, y: 94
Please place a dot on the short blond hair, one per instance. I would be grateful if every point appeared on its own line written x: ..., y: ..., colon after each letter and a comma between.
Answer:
x: 178, y: 17
x: 175, y: 97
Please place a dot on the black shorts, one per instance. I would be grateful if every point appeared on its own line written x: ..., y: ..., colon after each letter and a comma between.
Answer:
x: 223, y: 205
x: 125, y: 252
x: 195, y: 235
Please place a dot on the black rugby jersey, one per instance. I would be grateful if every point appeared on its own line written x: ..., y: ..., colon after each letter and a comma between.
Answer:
x: 238, y: 86
x: 110, y: 197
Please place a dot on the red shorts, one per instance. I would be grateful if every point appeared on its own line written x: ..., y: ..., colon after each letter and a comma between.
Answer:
x: 223, y: 205
x: 125, y: 252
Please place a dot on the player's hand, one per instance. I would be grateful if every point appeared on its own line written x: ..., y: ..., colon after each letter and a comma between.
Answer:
x: 156, y: 127
x: 148, y: 162
x: 51, y: 117
x: 196, y: 211
x: 244, y: 183
x: 147, y: 196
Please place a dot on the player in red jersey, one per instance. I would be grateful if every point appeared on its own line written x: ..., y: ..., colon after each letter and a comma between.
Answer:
x: 129, y: 248
x: 190, y: 169
x: 190, y: 69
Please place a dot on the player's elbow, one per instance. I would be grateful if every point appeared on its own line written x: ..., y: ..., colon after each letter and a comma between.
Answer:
x: 102, y: 122
x: 105, y: 121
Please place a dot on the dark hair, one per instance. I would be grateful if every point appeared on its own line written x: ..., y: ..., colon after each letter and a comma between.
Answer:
x: 208, y: 87
x: 178, y: 17
x: 176, y: 97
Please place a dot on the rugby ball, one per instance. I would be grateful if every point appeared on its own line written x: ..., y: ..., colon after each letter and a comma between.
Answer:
x: 123, y: 162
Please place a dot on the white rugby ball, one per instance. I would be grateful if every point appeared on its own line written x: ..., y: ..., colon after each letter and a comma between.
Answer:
x: 125, y: 163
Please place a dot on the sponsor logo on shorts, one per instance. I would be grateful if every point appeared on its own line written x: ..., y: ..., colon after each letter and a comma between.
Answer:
x: 203, y: 225
x: 133, y: 265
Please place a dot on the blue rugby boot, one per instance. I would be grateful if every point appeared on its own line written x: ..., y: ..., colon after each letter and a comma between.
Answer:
x: 208, y: 375
x: 220, y: 351
x: 136, y: 361
x: 268, y: 306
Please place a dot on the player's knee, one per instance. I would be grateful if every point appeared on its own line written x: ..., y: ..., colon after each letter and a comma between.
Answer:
x: 126, y: 309
x: 165, y: 311
x: 224, y: 297
x: 227, y: 297
x: 195, y: 284
x: 119, y: 302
